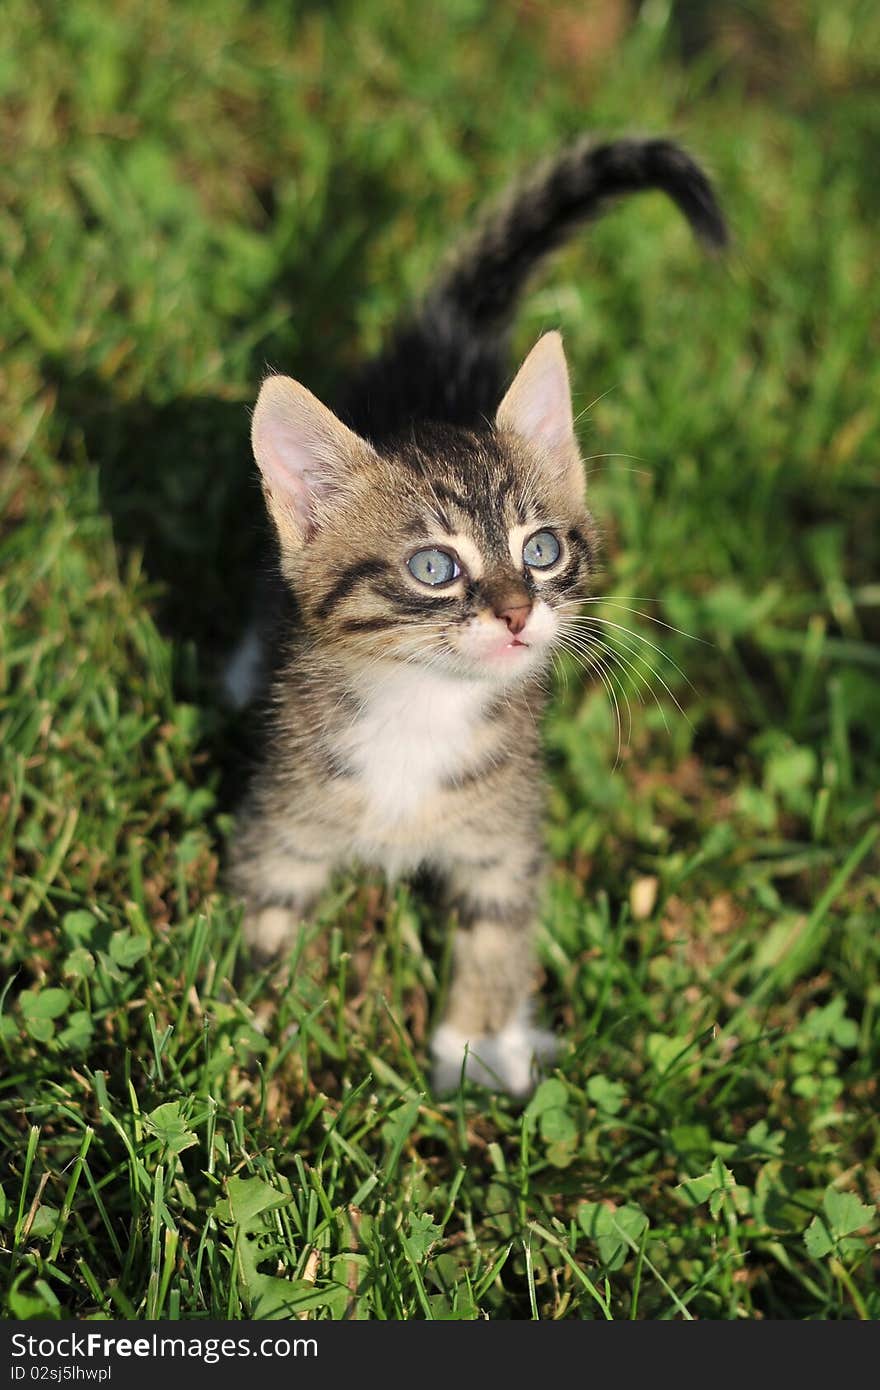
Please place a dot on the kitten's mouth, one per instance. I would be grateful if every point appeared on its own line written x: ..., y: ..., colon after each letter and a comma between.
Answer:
x: 516, y: 644
x: 509, y: 654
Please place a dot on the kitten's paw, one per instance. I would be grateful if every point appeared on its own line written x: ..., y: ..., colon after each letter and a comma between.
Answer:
x: 507, y: 1061
x: 269, y: 931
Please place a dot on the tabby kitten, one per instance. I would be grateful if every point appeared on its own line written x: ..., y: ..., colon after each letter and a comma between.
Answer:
x: 428, y: 534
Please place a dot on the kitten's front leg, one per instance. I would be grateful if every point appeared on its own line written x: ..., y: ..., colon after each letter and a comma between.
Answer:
x: 493, y: 977
x: 279, y: 873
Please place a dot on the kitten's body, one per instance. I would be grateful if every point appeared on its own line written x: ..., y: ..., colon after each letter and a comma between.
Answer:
x: 404, y: 731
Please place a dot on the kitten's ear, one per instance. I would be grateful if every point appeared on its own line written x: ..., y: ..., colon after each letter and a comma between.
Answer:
x: 305, y: 456
x: 537, y: 407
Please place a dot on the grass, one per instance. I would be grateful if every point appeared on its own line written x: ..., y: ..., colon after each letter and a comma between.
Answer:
x: 191, y: 191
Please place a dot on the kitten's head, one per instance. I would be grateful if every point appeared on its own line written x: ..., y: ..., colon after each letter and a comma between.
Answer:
x: 453, y: 550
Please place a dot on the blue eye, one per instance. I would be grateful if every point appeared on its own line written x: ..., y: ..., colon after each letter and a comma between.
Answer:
x: 433, y: 567
x: 541, y: 550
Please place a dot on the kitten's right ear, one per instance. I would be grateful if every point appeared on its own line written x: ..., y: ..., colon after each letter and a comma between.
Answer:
x: 537, y: 407
x: 305, y: 456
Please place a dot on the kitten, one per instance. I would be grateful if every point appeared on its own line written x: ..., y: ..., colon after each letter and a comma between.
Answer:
x: 428, y: 535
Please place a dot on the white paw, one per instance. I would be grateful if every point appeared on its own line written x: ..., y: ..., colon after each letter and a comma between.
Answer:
x: 270, y: 930
x: 506, y: 1061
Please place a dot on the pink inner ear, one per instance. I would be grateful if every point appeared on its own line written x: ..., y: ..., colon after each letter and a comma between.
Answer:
x: 538, y: 404
x: 546, y: 412
x: 303, y: 451
x: 288, y: 464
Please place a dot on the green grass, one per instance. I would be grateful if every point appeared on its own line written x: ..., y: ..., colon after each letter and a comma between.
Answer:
x: 191, y: 191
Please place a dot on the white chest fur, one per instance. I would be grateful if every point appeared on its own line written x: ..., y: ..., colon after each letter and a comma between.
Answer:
x: 415, y: 730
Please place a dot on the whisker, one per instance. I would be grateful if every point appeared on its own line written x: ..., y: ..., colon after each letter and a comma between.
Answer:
x: 613, y: 454
x: 581, y: 413
x: 605, y: 665
x: 638, y: 677
x: 647, y: 472
x: 654, y: 672
x: 596, y: 664
x: 648, y: 617
x: 642, y: 472
x: 585, y: 642
x: 589, y: 620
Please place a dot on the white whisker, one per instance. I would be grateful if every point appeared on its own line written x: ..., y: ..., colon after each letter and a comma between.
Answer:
x: 592, y: 662
x: 636, y: 674
x: 654, y: 672
x: 590, y: 619
x: 648, y: 617
x: 587, y: 408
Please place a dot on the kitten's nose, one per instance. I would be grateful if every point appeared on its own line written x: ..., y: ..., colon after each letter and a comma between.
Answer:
x: 511, y: 602
x: 509, y: 599
x: 516, y: 616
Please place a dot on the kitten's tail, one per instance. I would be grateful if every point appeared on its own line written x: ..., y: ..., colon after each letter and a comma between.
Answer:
x: 486, y: 278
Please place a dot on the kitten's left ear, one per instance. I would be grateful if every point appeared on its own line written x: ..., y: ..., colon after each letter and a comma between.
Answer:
x: 537, y: 407
x: 306, y: 457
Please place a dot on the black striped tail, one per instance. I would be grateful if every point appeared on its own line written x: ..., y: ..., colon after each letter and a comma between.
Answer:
x: 489, y: 273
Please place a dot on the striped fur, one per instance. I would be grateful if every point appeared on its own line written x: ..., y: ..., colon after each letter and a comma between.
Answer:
x: 403, y: 727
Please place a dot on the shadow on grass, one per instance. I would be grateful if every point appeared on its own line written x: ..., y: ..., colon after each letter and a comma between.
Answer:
x: 178, y: 484
x: 177, y: 477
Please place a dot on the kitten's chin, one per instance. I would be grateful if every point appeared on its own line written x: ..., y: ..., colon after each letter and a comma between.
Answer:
x: 512, y: 659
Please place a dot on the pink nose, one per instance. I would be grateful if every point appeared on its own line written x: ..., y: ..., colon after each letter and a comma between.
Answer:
x: 515, y: 615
